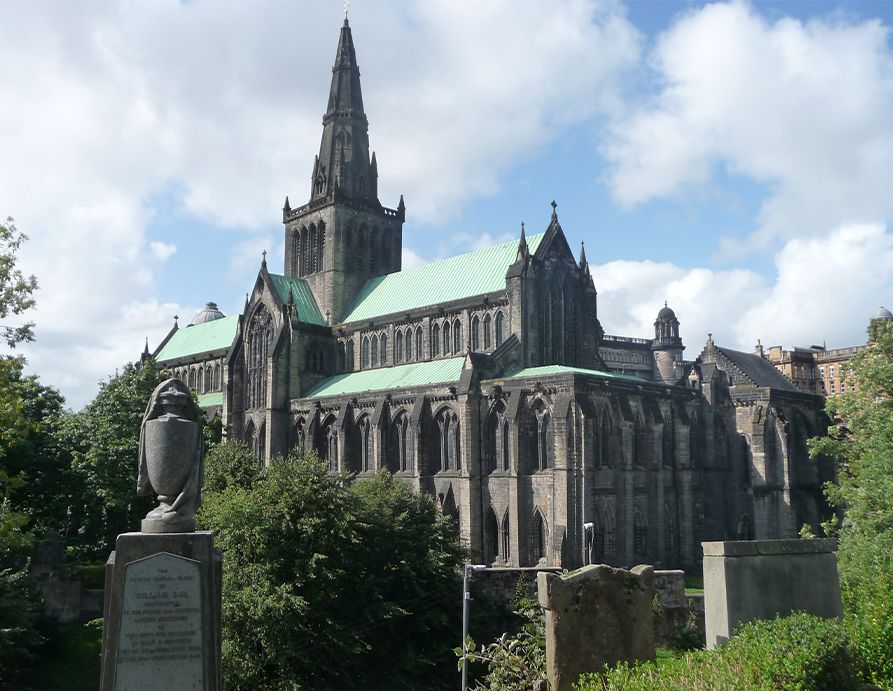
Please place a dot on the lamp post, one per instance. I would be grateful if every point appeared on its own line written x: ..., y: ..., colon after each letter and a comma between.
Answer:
x: 466, y: 597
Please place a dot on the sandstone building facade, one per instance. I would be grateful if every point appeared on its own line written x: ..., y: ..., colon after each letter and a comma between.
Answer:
x: 487, y: 381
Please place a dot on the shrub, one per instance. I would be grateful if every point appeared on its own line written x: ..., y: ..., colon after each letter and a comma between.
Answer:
x: 796, y: 652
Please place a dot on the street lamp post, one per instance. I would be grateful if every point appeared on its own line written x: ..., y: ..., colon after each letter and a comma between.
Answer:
x: 466, y: 597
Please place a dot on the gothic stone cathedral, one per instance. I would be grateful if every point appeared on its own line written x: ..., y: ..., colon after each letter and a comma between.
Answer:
x: 486, y: 380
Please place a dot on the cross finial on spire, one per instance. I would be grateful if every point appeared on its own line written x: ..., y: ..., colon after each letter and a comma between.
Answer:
x: 554, y: 210
x: 346, y: 9
x: 176, y: 317
x: 263, y: 261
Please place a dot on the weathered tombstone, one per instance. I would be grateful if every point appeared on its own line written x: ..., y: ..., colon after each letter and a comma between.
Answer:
x: 596, y: 615
x: 162, y: 604
x: 761, y: 579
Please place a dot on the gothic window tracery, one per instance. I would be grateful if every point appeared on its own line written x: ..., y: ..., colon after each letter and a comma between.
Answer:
x: 475, y: 333
x: 399, y: 450
x: 448, y: 447
x: 446, y: 338
x: 328, y: 447
x: 374, y: 343
x: 364, y: 353
x: 497, y: 440
x: 260, y: 335
x: 409, y: 344
x: 544, y: 439
x: 640, y: 532
x: 367, y: 445
x: 500, y: 325
x: 383, y: 348
x: 487, y: 327
x: 418, y: 343
x: 458, y: 341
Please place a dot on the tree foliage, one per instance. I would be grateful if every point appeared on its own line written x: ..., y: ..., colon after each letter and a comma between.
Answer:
x: 862, y: 441
x: 332, y: 585
x: 16, y: 290
x: 103, y: 441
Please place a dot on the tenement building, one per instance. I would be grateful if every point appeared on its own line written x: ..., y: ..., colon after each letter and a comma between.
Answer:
x: 486, y: 380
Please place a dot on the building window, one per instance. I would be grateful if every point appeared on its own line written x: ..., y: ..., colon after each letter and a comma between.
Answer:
x: 544, y: 438
x: 398, y: 347
x: 364, y: 353
x: 435, y: 340
x: 399, y: 450
x: 669, y: 532
x: 260, y: 334
x: 640, y: 533
x: 374, y: 344
x: 448, y: 448
x: 491, y: 537
x: 367, y: 442
x: 538, y: 538
x: 446, y: 338
x: 348, y: 356
x: 418, y: 343
x: 505, y: 539
x: 497, y: 450
x: 384, y: 350
x: 500, y: 325
x: 475, y: 333
x: 487, y: 336
x: 458, y: 341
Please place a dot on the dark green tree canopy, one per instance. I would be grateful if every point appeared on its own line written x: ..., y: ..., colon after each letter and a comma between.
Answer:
x: 330, y: 585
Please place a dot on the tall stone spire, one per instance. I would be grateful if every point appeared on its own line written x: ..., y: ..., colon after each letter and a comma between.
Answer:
x: 343, y: 167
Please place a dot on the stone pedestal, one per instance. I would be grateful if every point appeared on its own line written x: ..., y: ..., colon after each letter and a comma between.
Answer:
x: 162, y: 613
x: 762, y: 579
x: 596, y: 615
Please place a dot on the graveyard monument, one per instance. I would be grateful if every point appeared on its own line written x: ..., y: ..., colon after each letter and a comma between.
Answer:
x: 161, y: 623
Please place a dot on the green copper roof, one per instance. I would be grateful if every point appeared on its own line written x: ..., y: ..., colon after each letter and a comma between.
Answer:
x: 455, y: 278
x: 207, y: 400
x: 547, y: 370
x: 303, y: 297
x: 200, y: 338
x: 399, y: 377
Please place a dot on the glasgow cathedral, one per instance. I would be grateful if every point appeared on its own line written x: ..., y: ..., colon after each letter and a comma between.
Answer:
x: 487, y: 381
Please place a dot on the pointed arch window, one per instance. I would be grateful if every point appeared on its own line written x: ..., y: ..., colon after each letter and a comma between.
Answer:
x: 373, y: 247
x: 321, y: 249
x: 398, y: 347
x: 497, y: 440
x: 362, y: 241
x: 260, y: 335
x: 348, y: 356
x: 367, y: 445
x: 448, y: 447
x: 200, y: 386
x: 446, y: 338
x: 475, y: 333
x: 669, y: 532
x: 364, y: 353
x: 399, y: 450
x: 375, y: 351
x: 418, y: 343
x: 544, y: 441
x: 500, y: 325
x: 383, y: 350
x: 505, y: 539
x: 458, y: 340
x: 491, y: 537
x: 488, y: 339
x: 435, y: 340
x: 538, y: 538
x: 314, y: 249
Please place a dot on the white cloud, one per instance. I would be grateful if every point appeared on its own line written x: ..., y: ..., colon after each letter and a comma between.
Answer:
x: 162, y: 250
x: 108, y: 105
x: 824, y: 289
x: 802, y: 107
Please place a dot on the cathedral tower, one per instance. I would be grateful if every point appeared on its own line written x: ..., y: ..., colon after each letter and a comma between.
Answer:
x: 343, y: 236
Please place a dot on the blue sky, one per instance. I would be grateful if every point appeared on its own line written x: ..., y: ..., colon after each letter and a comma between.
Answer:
x: 731, y: 158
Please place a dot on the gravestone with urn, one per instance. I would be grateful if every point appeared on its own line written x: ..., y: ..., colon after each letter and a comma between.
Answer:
x: 161, y: 627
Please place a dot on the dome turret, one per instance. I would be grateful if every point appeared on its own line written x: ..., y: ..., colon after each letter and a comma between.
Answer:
x: 208, y: 313
x: 883, y: 313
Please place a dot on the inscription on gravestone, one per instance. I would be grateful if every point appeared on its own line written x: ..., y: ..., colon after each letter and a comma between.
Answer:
x: 160, y: 644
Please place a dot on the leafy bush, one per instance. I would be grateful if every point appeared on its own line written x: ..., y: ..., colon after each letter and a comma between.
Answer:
x: 230, y: 463
x: 334, y: 586
x: 796, y: 652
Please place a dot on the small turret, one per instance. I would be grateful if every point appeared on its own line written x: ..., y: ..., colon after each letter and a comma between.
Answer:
x: 667, y: 345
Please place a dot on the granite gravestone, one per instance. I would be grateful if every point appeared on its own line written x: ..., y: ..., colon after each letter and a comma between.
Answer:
x: 162, y: 606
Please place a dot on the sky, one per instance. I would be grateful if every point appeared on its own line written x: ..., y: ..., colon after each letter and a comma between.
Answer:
x: 731, y: 158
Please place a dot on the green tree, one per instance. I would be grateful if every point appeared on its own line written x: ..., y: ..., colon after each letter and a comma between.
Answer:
x: 333, y: 585
x: 103, y: 440
x: 862, y: 442
x: 19, y: 610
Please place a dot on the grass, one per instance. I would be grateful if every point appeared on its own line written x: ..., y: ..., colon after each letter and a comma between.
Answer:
x: 694, y: 584
x: 72, y: 660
